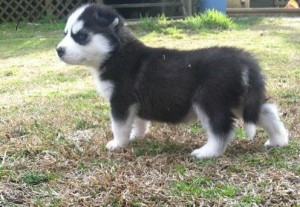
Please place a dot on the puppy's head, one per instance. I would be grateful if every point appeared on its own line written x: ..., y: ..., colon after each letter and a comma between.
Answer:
x: 91, y: 34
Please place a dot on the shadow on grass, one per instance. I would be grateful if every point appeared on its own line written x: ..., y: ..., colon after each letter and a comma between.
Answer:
x: 256, y: 154
x: 151, y: 146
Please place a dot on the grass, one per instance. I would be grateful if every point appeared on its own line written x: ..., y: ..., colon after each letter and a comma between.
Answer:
x: 211, y: 19
x: 54, y: 127
x: 35, y: 178
x: 203, y: 187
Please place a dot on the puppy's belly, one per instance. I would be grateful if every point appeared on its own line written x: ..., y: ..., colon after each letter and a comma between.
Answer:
x: 167, y: 114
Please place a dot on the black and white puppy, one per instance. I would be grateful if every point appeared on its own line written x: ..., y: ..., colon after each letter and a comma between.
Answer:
x: 217, y: 85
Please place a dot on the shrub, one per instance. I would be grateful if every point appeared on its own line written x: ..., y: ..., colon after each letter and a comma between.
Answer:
x: 211, y: 19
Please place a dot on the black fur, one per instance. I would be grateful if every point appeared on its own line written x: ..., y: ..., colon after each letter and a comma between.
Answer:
x: 166, y: 84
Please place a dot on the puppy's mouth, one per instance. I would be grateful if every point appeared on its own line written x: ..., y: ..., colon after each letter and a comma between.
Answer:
x: 72, y: 62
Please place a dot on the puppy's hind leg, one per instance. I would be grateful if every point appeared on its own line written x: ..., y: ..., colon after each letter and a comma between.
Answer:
x: 269, y: 120
x: 220, y: 132
x: 139, y: 128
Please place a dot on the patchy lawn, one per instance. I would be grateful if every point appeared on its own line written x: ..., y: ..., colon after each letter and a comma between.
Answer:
x: 54, y: 127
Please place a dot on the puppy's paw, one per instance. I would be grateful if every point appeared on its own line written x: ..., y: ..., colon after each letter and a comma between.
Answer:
x: 205, y: 152
x: 250, y: 131
x: 138, y: 133
x: 114, y: 145
x: 135, y: 135
x: 279, y: 140
x: 280, y: 143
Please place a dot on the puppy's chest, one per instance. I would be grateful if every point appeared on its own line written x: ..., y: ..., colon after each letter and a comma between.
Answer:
x: 104, y: 87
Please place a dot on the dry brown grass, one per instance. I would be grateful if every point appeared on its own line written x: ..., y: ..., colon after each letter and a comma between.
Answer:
x: 53, y: 131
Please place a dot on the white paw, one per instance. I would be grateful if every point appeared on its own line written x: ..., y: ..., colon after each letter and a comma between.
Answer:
x: 268, y: 144
x: 250, y: 131
x: 205, y: 152
x: 114, y: 145
x: 281, y: 143
x: 134, y: 135
x: 280, y: 140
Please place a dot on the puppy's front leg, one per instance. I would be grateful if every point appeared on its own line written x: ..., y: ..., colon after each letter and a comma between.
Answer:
x: 121, y: 128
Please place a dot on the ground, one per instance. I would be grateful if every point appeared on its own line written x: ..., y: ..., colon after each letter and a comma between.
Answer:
x: 54, y: 127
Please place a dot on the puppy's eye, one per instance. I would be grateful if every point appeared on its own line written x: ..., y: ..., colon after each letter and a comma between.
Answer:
x: 82, y: 36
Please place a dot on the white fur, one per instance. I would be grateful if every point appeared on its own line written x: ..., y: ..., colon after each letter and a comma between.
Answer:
x: 245, y: 76
x: 269, y: 121
x: 93, y: 54
x: 215, y: 144
x: 139, y: 128
x: 250, y: 129
x: 104, y: 88
x: 214, y: 147
x: 77, y: 26
x: 115, y: 22
x: 74, y: 17
x: 121, y: 130
x: 201, y: 115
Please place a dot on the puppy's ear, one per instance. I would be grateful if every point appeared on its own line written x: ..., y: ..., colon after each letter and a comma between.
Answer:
x: 108, y: 19
x: 115, y: 23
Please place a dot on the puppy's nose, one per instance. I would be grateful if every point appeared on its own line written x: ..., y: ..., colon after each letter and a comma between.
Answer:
x: 60, y: 51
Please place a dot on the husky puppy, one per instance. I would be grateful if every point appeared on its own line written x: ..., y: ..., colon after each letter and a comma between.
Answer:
x: 218, y: 85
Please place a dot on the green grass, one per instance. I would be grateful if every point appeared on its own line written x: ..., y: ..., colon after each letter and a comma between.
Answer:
x: 240, y: 133
x: 156, y: 147
x: 35, y: 178
x: 54, y: 127
x: 211, y: 19
x: 203, y: 187
x: 195, y: 128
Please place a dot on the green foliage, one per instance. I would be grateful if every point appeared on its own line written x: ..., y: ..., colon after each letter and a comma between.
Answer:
x: 248, y: 199
x: 240, y: 133
x: 174, y: 32
x: 195, y: 128
x: 162, y: 20
x: 34, y: 178
x: 204, y: 187
x: 147, y: 23
x: 81, y: 124
x: 211, y: 19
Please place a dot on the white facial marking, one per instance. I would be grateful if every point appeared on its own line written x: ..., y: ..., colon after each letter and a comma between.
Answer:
x: 74, y: 17
x: 77, y: 26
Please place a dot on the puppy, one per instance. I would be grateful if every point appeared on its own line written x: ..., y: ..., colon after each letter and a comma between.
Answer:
x: 218, y: 85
